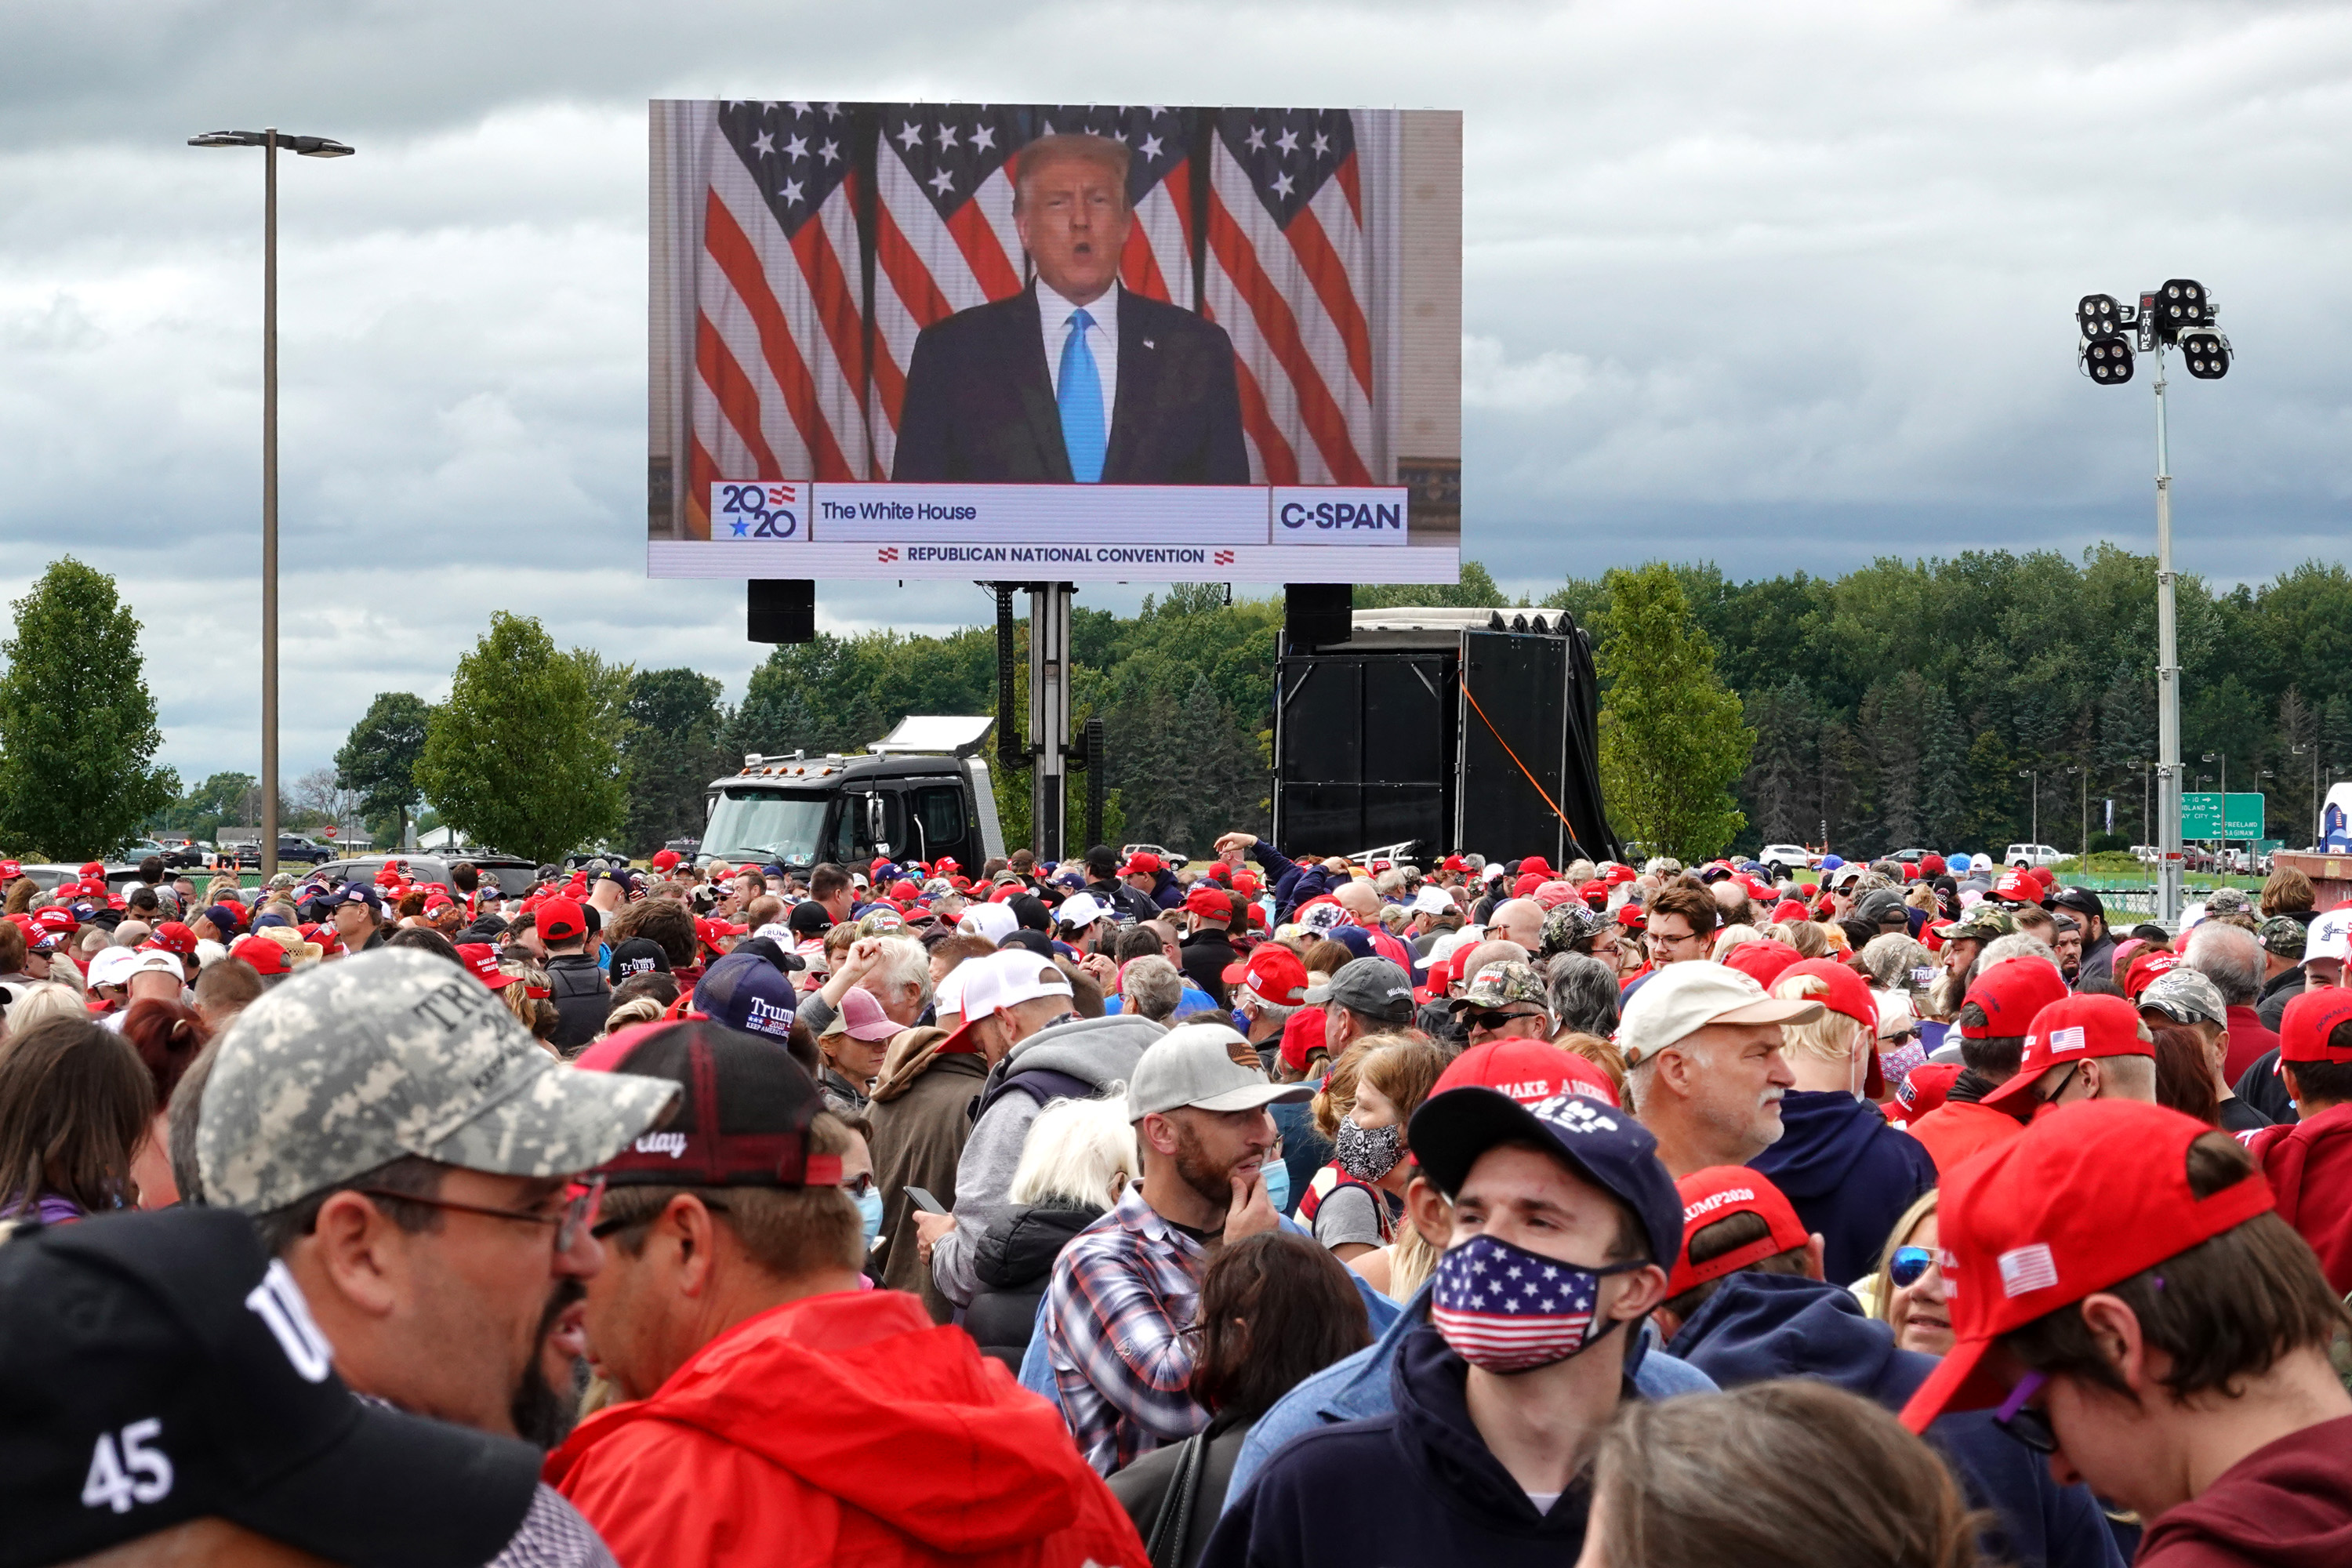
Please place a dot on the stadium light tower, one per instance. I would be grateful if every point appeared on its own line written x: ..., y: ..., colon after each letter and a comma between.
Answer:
x: 2178, y: 315
x: 270, y: 141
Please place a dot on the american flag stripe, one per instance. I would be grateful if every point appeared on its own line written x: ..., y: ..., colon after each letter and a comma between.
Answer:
x: 1256, y: 313
x: 736, y: 398
x: 749, y: 302
x: 1158, y: 260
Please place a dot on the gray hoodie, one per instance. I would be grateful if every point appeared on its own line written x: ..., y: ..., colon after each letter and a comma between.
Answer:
x: 1097, y: 1051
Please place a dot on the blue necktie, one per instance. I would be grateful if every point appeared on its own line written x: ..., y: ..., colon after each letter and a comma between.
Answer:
x: 1084, y: 432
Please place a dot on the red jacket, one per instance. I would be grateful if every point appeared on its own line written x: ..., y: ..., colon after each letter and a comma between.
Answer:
x: 2247, y: 1042
x: 2285, y: 1505
x: 1958, y: 1129
x: 2309, y: 1164
x: 842, y: 1428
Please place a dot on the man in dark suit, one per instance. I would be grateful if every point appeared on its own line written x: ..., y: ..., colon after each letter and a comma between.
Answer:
x: 1073, y: 378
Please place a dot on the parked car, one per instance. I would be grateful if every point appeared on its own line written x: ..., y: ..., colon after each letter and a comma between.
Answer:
x: 1781, y: 859
x: 291, y: 847
x: 2023, y: 856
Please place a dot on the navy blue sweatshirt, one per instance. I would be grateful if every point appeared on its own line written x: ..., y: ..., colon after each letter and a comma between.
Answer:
x: 1849, y: 1172
x: 1416, y: 1486
x: 1757, y: 1327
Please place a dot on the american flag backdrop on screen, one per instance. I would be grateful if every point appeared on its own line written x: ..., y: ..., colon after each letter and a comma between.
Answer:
x: 1158, y: 262
x: 943, y: 234
x: 1287, y: 276
x: 778, y: 392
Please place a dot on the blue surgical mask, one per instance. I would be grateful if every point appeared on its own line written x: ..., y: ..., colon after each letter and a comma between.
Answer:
x: 1277, y: 1184
x: 869, y: 1208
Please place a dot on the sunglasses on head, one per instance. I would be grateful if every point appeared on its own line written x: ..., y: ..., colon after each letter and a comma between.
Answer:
x: 1909, y: 1264
x: 2028, y: 1424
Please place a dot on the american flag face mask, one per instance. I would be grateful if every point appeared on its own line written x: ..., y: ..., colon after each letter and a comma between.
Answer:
x: 1508, y: 1310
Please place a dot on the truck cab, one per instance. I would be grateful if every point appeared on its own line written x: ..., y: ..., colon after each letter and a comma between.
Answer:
x: 921, y: 792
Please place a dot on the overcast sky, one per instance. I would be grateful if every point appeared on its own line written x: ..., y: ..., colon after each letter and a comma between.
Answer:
x: 1781, y: 286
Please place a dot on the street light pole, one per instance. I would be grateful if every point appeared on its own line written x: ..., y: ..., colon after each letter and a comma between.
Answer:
x: 2167, y: 681
x: 269, y: 141
x: 2035, y: 831
x: 2086, y: 808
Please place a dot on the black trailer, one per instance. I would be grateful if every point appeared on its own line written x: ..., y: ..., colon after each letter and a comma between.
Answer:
x: 1459, y: 730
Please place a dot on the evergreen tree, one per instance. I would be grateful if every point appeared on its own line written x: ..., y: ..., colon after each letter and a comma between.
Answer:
x: 526, y: 754
x: 1780, y: 781
x: 77, y: 732
x: 671, y: 743
x: 1672, y: 739
x: 1943, y: 767
x: 378, y: 759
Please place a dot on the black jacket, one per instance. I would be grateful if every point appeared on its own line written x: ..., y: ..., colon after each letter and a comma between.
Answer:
x: 1142, y: 1488
x: 2270, y: 1003
x: 1118, y: 894
x: 1206, y: 955
x: 1417, y: 1485
x: 980, y: 400
x: 582, y: 997
x: 1013, y: 1261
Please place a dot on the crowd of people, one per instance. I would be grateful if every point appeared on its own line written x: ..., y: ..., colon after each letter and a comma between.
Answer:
x: 1248, y: 1211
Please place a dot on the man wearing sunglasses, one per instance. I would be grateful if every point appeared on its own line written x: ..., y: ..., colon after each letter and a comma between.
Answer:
x: 1749, y: 1304
x: 2126, y: 1300
x: 1504, y: 1001
x: 410, y: 1151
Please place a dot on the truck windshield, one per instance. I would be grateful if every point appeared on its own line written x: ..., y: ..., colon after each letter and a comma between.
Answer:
x: 773, y: 827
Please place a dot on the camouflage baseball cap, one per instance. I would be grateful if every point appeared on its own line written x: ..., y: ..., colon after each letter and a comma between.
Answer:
x: 2282, y: 936
x: 1983, y: 923
x: 2184, y: 996
x: 1502, y: 985
x: 1572, y: 922
x: 351, y: 1065
x: 2228, y: 901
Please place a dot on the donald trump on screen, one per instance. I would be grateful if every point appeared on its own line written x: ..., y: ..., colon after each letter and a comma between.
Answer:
x: 1073, y: 378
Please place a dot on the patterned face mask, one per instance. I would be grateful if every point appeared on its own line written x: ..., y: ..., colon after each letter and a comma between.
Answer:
x: 1505, y: 1308
x: 1367, y: 1153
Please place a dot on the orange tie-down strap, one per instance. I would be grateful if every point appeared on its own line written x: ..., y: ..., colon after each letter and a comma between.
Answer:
x: 1522, y: 766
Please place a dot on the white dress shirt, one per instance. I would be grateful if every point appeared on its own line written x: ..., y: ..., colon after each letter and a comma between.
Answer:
x: 1102, y: 338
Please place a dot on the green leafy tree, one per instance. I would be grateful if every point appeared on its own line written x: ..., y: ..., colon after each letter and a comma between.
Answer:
x: 671, y: 743
x: 78, y: 731
x: 379, y: 760
x: 1672, y: 741
x: 526, y: 754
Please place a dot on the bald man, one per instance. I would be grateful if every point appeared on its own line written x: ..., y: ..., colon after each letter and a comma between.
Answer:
x: 1073, y: 378
x: 1519, y: 920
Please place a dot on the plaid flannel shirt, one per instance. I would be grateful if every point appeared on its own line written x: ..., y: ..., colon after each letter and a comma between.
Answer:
x: 1121, y: 1333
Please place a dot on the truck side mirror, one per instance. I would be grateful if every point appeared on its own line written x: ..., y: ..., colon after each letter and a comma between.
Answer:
x: 875, y: 827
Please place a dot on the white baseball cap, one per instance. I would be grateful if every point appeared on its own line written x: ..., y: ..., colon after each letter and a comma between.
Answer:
x: 110, y: 966
x: 1080, y: 910
x: 155, y: 960
x: 2330, y: 936
x: 1681, y: 999
x: 1431, y: 901
x: 1006, y: 979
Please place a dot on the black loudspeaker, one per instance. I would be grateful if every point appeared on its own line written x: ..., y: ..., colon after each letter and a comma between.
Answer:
x: 1315, y: 615
x: 783, y: 609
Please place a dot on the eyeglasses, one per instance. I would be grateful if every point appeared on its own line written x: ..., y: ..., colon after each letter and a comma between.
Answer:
x: 858, y: 1185
x: 2028, y: 1424
x: 577, y: 1215
x: 1490, y: 1022
x: 1908, y: 1264
x: 1910, y: 1034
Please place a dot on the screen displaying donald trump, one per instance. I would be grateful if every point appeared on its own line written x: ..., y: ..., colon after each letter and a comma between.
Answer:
x: 1087, y: 342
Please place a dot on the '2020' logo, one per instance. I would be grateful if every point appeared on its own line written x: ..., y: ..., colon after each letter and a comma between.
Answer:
x: 757, y: 511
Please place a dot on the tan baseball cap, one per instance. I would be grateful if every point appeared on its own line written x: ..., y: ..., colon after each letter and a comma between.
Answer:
x: 1683, y: 998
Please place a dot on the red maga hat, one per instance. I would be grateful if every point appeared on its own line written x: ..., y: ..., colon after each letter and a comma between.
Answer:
x: 2083, y: 1198
x: 1141, y: 865
x: 2311, y: 1021
x: 2071, y: 1030
x: 1717, y: 1193
x: 560, y: 920
x: 1529, y: 1071
x: 1763, y: 960
x: 2010, y: 994
x: 1272, y: 971
x: 1301, y: 1038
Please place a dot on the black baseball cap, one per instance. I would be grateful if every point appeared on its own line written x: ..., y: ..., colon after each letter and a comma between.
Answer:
x: 160, y: 1368
x: 1599, y: 1142
x: 809, y: 918
x: 638, y: 955
x: 742, y: 1123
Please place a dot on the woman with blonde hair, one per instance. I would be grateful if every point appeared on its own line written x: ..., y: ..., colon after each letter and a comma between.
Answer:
x: 1078, y: 1156
x: 1906, y: 1293
x: 1351, y: 1203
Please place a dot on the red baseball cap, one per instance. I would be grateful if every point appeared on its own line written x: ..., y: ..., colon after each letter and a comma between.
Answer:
x: 1208, y: 899
x: 1931, y: 865
x: 1141, y: 865
x: 437, y: 902
x: 560, y: 920
x: 1717, y: 1193
x: 1246, y: 881
x: 1925, y: 1088
x: 483, y: 960
x: 1454, y: 863
x: 1529, y: 1071
x: 1615, y: 873
x: 266, y: 956
x: 1274, y: 972
x: 1790, y: 909
x: 667, y: 860
x: 712, y: 931
x: 172, y: 936
x: 1763, y: 960
x: 2016, y: 887
x: 2043, y: 875
x: 94, y: 868
x: 2083, y: 1198
x: 55, y: 919
x: 1302, y: 1037
x: 1630, y: 916
x: 2012, y: 993
x: 1536, y: 863
x: 1595, y: 893
x: 2145, y: 968
x: 2071, y: 1030
x: 2311, y: 1018
x: 1848, y: 994
x: 1524, y: 888
x: 10, y: 870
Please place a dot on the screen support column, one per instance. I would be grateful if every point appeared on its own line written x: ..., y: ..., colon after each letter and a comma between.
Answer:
x: 1049, y: 713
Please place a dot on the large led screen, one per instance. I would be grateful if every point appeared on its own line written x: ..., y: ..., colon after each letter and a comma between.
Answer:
x: 1040, y: 341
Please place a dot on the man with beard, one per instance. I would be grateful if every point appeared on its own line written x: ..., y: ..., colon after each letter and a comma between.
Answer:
x: 409, y: 1152
x: 1119, y: 1323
